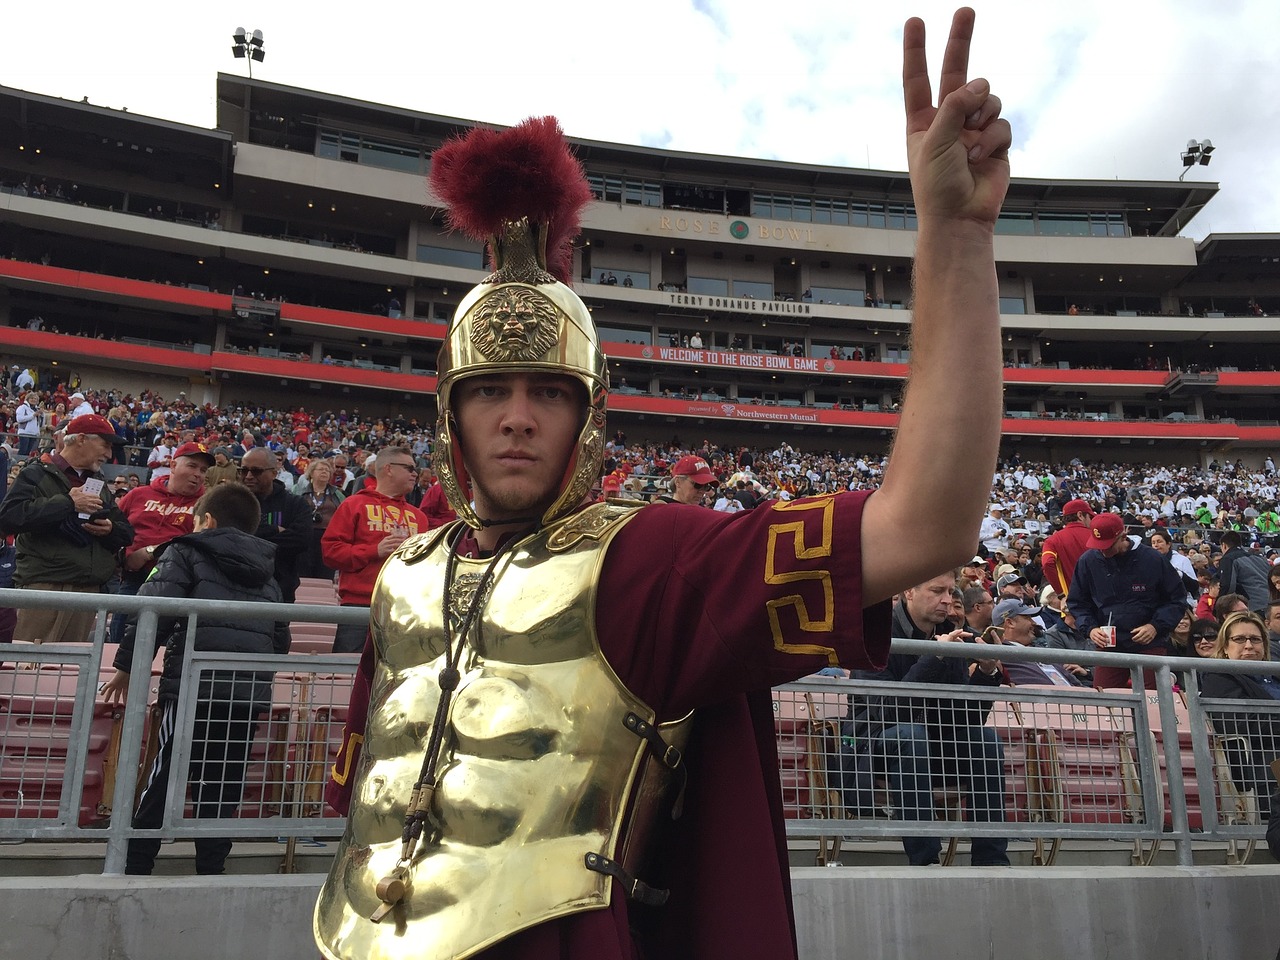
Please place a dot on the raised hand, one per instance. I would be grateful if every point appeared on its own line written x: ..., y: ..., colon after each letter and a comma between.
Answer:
x: 957, y: 151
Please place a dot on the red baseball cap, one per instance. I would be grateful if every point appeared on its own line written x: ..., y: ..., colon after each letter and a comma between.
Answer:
x: 695, y: 468
x: 1105, y: 529
x: 191, y: 449
x: 1072, y: 507
x: 610, y: 482
x: 91, y: 423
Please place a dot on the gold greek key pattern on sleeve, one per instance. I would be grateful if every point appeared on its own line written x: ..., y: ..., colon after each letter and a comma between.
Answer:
x: 790, y: 540
x: 348, y: 751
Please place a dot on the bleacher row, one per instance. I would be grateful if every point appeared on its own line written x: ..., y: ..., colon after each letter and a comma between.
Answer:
x: 1065, y: 762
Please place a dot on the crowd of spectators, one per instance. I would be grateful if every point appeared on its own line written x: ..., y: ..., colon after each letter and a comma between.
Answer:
x: 1189, y: 509
x: 1194, y: 504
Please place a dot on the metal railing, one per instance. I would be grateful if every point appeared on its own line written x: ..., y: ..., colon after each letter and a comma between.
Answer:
x: 58, y: 740
x: 1147, y: 766
x: 1141, y: 766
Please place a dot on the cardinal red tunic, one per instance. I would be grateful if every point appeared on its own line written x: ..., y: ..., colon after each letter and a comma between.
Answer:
x: 1061, y: 552
x: 704, y: 610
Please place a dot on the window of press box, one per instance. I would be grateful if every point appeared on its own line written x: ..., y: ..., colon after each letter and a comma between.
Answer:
x: 451, y: 256
x: 374, y: 151
x: 708, y: 286
x: 833, y: 210
x: 850, y: 297
x: 614, y: 188
x: 753, y: 289
x: 612, y: 276
x: 623, y: 335
x: 688, y: 196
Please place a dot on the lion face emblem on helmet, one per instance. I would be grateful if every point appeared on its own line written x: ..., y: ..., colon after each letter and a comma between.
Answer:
x: 514, y: 324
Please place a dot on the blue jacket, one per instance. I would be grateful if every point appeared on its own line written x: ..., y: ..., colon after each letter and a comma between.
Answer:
x: 879, y: 713
x: 1132, y: 588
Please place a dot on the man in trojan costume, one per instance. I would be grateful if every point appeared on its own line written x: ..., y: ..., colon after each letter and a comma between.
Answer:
x: 561, y: 741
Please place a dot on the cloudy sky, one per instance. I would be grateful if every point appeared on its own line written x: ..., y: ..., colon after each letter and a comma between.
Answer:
x: 1107, y: 89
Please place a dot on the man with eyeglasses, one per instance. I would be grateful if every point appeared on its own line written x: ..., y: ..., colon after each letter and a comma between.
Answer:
x: 367, y: 528
x: 1018, y: 625
x: 978, y: 606
x: 286, y: 519
x: 691, y: 477
x: 1065, y: 636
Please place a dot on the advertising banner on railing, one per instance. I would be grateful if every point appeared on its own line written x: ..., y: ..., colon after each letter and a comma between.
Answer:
x: 752, y: 360
x: 737, y: 410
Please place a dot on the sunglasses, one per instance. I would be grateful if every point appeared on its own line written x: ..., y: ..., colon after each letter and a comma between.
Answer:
x: 256, y: 471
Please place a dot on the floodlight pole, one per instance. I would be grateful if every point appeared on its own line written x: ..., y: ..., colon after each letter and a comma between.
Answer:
x: 248, y: 46
x: 1198, y: 151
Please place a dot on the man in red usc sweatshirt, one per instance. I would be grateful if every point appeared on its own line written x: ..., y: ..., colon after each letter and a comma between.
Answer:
x: 365, y: 530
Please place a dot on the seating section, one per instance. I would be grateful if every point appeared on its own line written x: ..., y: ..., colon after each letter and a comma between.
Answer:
x: 295, y: 743
x: 808, y: 730
x: 1065, y: 761
x: 1190, y: 786
x: 314, y: 637
x: 1088, y: 749
x: 35, y: 740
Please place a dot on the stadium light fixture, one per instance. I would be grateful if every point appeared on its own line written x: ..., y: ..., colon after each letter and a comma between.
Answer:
x: 248, y: 46
x: 1198, y: 151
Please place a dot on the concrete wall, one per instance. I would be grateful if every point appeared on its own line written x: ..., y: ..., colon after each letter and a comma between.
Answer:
x: 890, y: 913
x: 1087, y: 913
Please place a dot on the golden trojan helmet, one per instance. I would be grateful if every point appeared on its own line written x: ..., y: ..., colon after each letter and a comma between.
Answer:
x: 520, y: 190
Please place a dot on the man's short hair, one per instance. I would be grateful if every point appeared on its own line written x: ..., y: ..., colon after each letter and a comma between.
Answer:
x: 231, y: 505
x: 1222, y: 606
x: 1231, y: 539
x: 953, y: 573
x: 974, y: 596
x: 400, y: 451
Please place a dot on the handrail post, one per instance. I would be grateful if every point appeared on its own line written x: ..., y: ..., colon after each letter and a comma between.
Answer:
x: 122, y: 799
x: 1201, y: 750
x: 1173, y: 766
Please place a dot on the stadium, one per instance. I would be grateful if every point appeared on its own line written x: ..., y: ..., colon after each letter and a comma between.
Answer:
x: 294, y: 252
x: 293, y: 256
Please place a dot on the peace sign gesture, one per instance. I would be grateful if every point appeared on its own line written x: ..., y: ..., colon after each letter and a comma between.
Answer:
x: 957, y: 151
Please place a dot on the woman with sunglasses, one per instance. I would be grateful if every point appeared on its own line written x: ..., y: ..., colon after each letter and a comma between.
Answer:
x: 1202, y: 638
x: 1253, y: 738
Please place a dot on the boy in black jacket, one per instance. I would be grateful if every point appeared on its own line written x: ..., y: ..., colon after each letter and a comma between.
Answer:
x: 221, y: 560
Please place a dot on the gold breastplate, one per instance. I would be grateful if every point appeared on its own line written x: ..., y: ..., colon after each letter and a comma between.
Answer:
x: 538, y: 764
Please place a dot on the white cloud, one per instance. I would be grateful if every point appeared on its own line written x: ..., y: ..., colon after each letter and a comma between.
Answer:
x: 1094, y: 89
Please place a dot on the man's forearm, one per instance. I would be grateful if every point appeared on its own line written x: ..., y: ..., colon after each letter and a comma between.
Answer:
x: 949, y: 434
